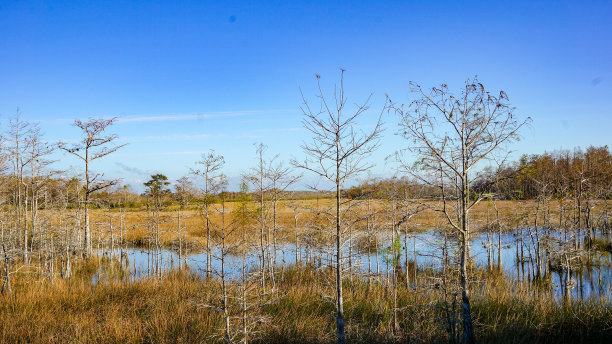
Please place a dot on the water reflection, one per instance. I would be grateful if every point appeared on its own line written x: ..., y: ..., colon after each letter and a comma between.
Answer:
x: 425, y: 249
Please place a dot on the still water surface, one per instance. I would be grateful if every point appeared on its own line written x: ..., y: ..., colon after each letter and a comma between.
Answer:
x: 426, y: 248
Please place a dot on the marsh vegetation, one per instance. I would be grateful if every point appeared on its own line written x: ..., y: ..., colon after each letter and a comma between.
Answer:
x: 455, y: 248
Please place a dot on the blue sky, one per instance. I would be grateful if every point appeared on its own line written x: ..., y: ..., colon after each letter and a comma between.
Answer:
x: 185, y: 77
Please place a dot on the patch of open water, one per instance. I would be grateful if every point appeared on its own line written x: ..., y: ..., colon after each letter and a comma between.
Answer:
x: 426, y: 248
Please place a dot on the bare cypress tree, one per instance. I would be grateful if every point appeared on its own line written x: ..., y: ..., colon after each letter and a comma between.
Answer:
x: 94, y: 145
x: 224, y: 303
x: 259, y: 178
x: 18, y: 147
x: 294, y: 207
x: 184, y: 192
x: 241, y: 215
x: 37, y: 159
x: 450, y: 136
x: 280, y: 180
x: 5, y: 238
x: 337, y: 153
x: 211, y: 165
x: 26, y: 152
x: 251, y: 296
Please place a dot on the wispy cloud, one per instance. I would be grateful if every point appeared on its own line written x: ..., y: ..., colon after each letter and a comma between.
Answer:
x: 133, y: 170
x: 276, y: 130
x: 189, y: 117
x: 160, y: 154
x: 175, y: 137
x: 168, y: 117
x: 252, y: 134
x: 185, y: 152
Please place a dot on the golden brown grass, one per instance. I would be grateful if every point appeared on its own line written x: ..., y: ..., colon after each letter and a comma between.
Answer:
x: 137, y: 224
x: 165, y: 311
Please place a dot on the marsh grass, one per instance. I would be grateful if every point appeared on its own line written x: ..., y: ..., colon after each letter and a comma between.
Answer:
x: 137, y: 233
x: 167, y: 311
x: 602, y: 244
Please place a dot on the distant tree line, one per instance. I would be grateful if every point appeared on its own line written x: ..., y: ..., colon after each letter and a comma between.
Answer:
x: 560, y: 174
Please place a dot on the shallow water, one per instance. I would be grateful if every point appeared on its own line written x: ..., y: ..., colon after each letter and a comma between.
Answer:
x: 426, y: 248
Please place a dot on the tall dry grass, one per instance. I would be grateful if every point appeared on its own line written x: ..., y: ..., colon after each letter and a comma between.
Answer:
x: 167, y: 311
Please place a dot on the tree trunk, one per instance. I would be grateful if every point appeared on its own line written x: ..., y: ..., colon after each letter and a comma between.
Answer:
x: 6, y: 287
x: 339, y: 300
x: 466, y: 312
x: 468, y: 327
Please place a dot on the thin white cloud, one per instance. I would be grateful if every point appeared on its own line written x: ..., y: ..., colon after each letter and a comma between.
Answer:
x: 188, y: 117
x: 278, y: 130
x: 253, y: 134
x: 185, y: 152
x: 175, y: 137
x: 133, y: 170
x: 161, y: 153
x: 168, y: 117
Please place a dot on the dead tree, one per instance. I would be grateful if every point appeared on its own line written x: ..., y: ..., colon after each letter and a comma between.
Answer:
x: 94, y: 145
x: 336, y: 153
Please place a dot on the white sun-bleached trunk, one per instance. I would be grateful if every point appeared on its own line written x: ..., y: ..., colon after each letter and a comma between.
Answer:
x: 337, y: 153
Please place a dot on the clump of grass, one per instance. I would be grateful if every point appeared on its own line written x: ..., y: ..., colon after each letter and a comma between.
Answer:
x: 602, y: 244
x: 365, y: 244
x: 188, y: 245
